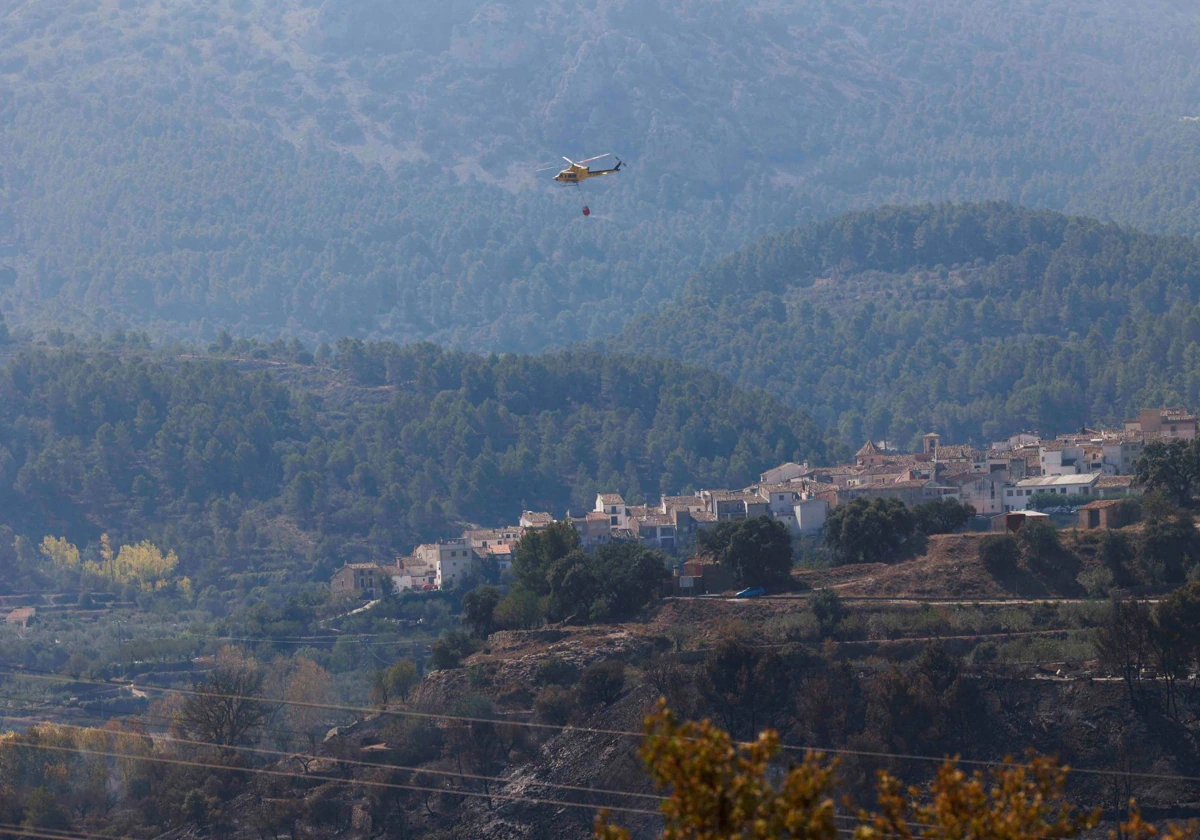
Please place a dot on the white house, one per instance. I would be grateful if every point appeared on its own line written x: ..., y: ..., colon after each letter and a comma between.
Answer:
x: 1061, y: 459
x: 1120, y: 454
x: 1016, y: 442
x: 535, y: 520
x: 810, y: 515
x: 784, y: 472
x: 1017, y: 496
x: 482, y: 538
x: 451, y: 569
x: 415, y: 572
x: 431, y: 553
x: 780, y: 499
x: 613, y: 506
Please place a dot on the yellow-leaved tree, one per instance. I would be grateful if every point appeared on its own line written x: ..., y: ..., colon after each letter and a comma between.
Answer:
x: 719, y: 790
x: 141, y: 564
x: 60, y: 552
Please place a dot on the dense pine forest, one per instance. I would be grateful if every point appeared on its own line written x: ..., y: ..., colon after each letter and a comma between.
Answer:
x: 367, y: 168
x: 252, y: 462
x: 976, y: 320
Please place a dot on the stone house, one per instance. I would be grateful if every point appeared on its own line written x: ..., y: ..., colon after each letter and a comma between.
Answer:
x: 1105, y: 514
x: 360, y: 580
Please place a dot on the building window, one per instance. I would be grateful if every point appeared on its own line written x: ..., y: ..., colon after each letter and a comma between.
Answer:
x: 1008, y: 492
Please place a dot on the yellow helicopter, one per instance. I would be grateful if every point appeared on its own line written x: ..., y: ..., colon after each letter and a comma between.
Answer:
x: 578, y: 172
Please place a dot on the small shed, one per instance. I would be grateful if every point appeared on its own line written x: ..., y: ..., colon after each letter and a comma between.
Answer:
x: 1105, y: 514
x: 1010, y: 523
x: 697, y: 577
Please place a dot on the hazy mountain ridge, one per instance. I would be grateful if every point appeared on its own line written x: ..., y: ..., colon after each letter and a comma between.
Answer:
x: 366, y: 168
x: 974, y: 320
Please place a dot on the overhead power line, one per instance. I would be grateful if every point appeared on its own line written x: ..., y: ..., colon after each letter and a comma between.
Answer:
x: 54, y: 834
x: 266, y: 771
x: 380, y: 766
x: 594, y: 730
x: 373, y: 765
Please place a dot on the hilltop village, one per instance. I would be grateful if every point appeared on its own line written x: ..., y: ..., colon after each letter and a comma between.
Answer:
x: 1086, y: 468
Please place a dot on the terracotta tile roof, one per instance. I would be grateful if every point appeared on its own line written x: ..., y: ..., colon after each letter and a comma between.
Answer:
x: 1101, y: 503
x: 844, y: 471
x: 958, y: 450
x: 868, y: 448
x: 611, y: 499
x: 1107, y: 481
x: 888, y: 468
x: 512, y: 532
x: 781, y: 488
x: 737, y: 495
x: 955, y: 465
x: 1054, y: 445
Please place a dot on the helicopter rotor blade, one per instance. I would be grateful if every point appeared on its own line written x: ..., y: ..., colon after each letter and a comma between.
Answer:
x: 548, y: 168
x: 568, y: 160
x: 597, y: 157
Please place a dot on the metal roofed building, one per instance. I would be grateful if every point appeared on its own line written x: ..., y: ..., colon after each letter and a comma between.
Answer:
x: 1017, y: 496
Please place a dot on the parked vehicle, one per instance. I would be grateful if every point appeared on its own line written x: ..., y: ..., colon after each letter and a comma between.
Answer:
x: 752, y: 592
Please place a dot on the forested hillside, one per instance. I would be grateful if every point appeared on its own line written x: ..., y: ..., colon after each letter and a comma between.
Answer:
x: 333, y: 167
x: 974, y: 320
x: 362, y: 456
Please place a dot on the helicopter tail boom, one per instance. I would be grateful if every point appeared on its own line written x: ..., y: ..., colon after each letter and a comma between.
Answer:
x: 612, y: 171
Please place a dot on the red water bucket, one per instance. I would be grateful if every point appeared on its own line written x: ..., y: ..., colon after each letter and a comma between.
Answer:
x: 586, y: 210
